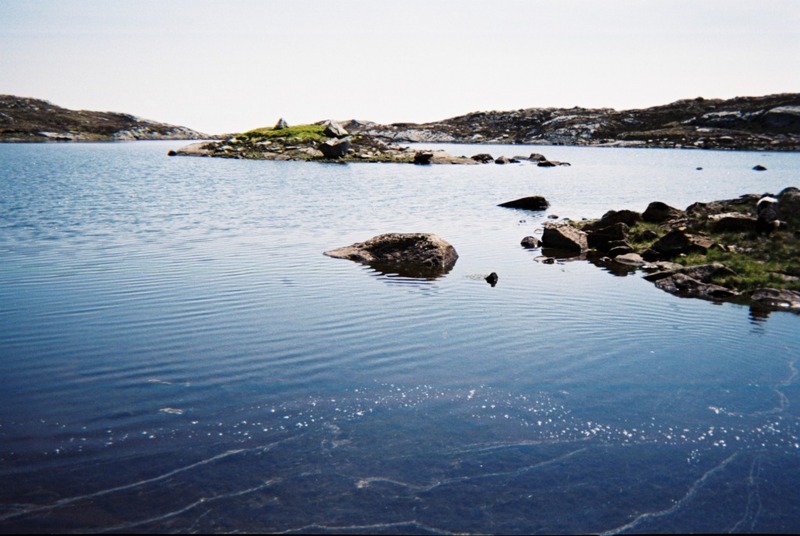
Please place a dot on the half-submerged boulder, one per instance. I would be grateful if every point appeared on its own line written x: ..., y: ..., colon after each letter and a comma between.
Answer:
x: 483, y: 158
x: 410, y: 254
x: 694, y: 281
x: 776, y: 299
x: 534, y: 202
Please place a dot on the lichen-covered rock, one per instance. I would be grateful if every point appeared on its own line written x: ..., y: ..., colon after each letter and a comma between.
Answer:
x: 413, y: 254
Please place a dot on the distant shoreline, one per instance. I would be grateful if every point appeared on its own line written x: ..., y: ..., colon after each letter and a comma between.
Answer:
x: 769, y: 122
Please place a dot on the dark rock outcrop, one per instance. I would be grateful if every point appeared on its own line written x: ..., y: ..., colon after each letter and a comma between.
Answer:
x: 628, y: 217
x: 732, y: 222
x: 483, y: 158
x: 531, y: 242
x: 602, y: 239
x: 658, y: 212
x: 411, y: 254
x: 534, y: 202
x: 423, y: 157
x: 677, y: 242
x: 789, y: 206
x: 335, y: 147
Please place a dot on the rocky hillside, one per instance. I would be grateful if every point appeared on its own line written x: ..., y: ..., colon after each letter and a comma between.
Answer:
x: 770, y: 122
x: 23, y: 119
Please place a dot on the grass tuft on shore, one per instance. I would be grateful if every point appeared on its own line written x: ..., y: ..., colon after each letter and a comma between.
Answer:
x: 759, y: 261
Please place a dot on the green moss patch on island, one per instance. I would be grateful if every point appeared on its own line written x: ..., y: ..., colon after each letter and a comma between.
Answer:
x: 298, y: 133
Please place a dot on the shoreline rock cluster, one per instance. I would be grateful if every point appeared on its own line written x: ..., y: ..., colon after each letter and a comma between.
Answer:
x: 745, y: 250
x: 329, y: 141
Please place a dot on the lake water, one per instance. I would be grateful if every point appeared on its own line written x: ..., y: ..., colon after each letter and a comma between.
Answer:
x: 179, y: 356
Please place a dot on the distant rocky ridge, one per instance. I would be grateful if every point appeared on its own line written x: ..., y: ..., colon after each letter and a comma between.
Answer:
x: 32, y: 120
x: 744, y: 123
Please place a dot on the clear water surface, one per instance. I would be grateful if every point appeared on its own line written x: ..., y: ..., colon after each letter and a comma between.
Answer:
x: 178, y: 355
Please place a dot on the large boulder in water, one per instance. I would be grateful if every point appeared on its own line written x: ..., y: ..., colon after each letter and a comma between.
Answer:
x: 564, y: 237
x: 534, y: 202
x: 412, y: 254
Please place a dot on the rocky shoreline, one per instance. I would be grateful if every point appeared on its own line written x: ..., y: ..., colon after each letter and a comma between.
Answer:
x: 770, y: 122
x: 744, y: 250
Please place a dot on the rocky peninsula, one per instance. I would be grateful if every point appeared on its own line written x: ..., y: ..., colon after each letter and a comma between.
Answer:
x: 745, y: 250
x: 32, y: 120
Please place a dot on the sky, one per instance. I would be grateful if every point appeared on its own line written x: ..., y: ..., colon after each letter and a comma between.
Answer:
x: 229, y: 66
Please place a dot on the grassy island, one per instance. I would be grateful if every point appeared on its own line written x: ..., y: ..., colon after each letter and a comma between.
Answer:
x: 325, y: 142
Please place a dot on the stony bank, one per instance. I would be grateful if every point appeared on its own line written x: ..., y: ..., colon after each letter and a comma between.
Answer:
x: 744, y: 250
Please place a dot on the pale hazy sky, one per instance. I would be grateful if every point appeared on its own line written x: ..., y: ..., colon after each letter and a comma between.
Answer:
x: 227, y: 66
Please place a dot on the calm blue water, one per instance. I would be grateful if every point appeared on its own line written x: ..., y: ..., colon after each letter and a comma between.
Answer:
x: 178, y: 355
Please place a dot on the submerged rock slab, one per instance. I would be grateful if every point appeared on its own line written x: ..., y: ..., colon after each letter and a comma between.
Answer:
x: 411, y: 254
x: 771, y: 298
